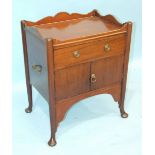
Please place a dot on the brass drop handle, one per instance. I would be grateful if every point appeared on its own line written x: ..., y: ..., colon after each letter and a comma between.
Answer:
x: 107, y: 48
x: 93, y: 78
x: 37, y: 68
x: 76, y: 54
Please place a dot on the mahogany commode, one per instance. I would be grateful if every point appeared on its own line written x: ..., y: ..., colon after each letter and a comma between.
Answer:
x: 69, y: 57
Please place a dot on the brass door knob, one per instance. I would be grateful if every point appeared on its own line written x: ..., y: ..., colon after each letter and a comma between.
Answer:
x: 93, y: 78
x: 107, y: 48
x: 76, y: 54
x: 37, y: 68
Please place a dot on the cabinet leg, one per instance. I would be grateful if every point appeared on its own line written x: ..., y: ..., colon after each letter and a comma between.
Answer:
x: 125, y: 70
x: 29, y: 87
x: 52, y: 141
x: 122, y: 111
x: 52, y: 101
x: 29, y: 92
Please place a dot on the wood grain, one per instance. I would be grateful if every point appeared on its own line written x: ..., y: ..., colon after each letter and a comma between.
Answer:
x: 88, y: 52
x: 26, y: 62
x: 107, y: 71
x: 51, y: 87
x: 72, y: 81
x: 73, y: 29
x: 63, y: 105
x: 37, y: 55
x: 125, y: 67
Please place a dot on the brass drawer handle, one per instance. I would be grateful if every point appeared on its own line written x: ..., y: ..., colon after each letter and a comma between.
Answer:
x: 107, y: 48
x: 76, y: 54
x: 93, y: 78
x: 37, y: 68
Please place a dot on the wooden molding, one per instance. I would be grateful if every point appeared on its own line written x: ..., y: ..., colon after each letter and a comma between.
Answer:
x: 63, y: 16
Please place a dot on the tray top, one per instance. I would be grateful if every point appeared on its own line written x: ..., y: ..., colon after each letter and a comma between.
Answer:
x: 75, y: 28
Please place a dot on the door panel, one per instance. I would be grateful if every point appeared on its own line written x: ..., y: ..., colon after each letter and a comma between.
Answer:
x: 106, y: 71
x: 72, y: 81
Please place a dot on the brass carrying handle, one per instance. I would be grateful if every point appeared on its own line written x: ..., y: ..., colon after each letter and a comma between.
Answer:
x: 76, y: 54
x: 93, y: 78
x: 107, y: 48
x: 37, y: 68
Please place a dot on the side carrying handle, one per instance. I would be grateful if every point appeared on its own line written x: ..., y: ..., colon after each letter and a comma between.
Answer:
x: 37, y: 68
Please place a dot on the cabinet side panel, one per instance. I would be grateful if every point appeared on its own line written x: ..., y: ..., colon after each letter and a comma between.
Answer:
x: 37, y: 57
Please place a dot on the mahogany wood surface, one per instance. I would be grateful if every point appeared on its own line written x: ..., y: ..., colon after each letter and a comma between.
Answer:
x: 125, y: 69
x: 51, y: 92
x: 72, y: 81
x: 29, y: 87
x: 62, y: 106
x: 77, y: 28
x: 70, y: 57
x: 89, y: 51
x: 107, y: 71
x: 38, y: 56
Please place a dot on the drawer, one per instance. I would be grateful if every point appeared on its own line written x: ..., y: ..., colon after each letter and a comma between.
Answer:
x: 106, y: 47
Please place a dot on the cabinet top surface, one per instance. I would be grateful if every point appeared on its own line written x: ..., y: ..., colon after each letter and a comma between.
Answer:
x: 76, y: 28
x: 65, y: 27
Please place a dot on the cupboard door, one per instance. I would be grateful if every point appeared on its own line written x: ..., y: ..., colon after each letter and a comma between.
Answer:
x: 72, y: 81
x: 106, y: 71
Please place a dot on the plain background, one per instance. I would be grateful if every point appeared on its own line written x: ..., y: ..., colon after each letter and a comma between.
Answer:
x: 82, y: 131
x: 147, y: 82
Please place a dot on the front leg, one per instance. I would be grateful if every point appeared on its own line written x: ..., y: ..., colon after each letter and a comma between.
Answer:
x: 52, y: 141
x: 52, y: 99
x: 122, y: 111
x: 121, y: 102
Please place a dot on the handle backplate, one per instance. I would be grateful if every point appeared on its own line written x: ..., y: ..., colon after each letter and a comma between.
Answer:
x: 76, y: 54
x: 107, y: 47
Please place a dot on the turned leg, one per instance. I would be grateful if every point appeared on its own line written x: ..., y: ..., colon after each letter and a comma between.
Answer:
x: 29, y: 93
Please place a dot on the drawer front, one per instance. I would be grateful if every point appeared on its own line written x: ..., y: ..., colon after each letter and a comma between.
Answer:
x: 106, y: 47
